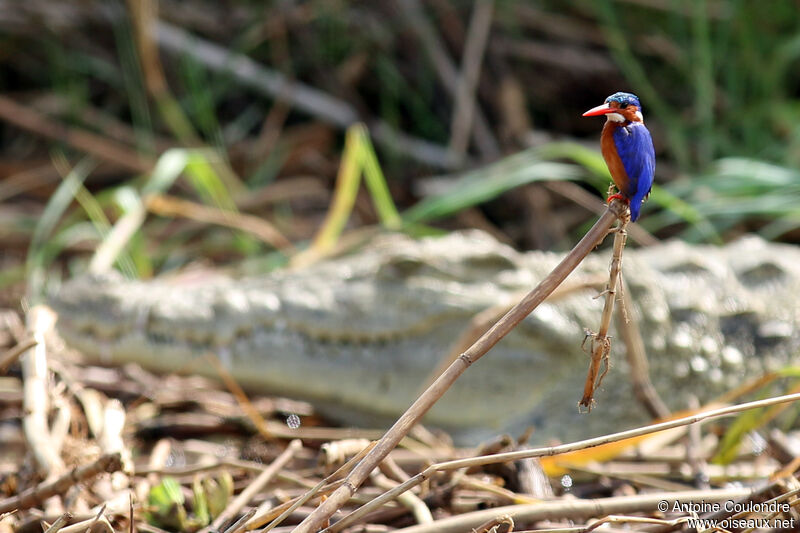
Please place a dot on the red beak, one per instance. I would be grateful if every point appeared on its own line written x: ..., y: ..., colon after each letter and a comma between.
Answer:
x: 599, y: 110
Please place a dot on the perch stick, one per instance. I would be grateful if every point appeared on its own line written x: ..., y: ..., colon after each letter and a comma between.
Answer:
x: 392, y: 437
x: 601, y: 342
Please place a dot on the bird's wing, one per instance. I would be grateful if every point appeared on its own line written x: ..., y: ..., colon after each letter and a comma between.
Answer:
x: 635, y: 148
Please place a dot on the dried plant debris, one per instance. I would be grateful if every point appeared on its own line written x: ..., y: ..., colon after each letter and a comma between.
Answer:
x: 200, y: 463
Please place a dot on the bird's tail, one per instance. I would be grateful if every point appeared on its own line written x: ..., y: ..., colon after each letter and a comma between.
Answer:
x: 635, y: 207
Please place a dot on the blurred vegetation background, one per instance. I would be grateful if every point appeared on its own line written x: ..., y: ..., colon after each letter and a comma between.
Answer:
x: 148, y: 134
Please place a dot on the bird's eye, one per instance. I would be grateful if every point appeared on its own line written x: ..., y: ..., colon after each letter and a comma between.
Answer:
x: 623, y: 105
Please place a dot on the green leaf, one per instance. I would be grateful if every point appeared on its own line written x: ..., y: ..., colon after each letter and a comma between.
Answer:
x: 35, y: 266
x: 165, y: 506
x: 487, y: 183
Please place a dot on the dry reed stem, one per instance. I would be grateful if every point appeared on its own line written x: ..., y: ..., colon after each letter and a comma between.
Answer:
x: 170, y: 206
x: 577, y: 195
x: 241, y: 397
x: 39, y: 493
x: 280, y: 513
x: 11, y: 355
x: 481, y: 321
x: 554, y: 450
x: 636, y: 355
x: 85, y: 141
x: 92, y: 525
x: 255, y: 486
x: 601, y: 342
x: 409, y: 500
x: 60, y: 522
x: 492, y: 524
x: 302, y: 97
x: 413, y: 414
x: 241, y: 524
x: 36, y: 402
x: 413, y: 13
x: 574, y: 509
x: 465, y: 102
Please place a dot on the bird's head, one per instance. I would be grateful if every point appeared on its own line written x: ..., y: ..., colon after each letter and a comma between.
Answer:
x: 619, y: 107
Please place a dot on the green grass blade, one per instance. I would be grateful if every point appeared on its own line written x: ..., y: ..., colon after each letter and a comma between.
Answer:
x: 121, y: 233
x: 489, y: 182
x: 102, y: 225
x: 375, y: 180
x: 344, y: 196
x: 35, y: 266
x: 589, y: 159
x: 203, y: 176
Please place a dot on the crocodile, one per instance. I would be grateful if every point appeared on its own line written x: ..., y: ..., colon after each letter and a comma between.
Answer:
x: 359, y: 335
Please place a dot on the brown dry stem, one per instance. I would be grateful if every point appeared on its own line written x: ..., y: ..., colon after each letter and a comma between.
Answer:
x: 413, y: 414
x: 636, y: 355
x: 553, y: 450
x: 36, y: 400
x: 36, y: 495
x: 10, y: 356
x: 169, y: 206
x: 255, y: 486
x: 601, y: 342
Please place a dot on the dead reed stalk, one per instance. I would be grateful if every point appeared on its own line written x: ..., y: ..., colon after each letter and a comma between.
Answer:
x: 316, y: 520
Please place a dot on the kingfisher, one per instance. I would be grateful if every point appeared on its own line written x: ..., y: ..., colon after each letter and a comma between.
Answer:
x: 627, y: 148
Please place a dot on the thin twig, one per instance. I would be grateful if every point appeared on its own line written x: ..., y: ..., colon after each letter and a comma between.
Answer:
x: 241, y: 397
x: 60, y: 522
x: 330, y: 483
x: 492, y: 524
x: 574, y: 509
x: 387, y: 443
x: 446, y: 70
x: 554, y: 450
x: 39, y: 493
x: 578, y: 195
x: 465, y: 104
x: 255, y: 486
x: 241, y: 524
x: 484, y: 319
x: 36, y: 397
x: 601, y: 342
x: 409, y: 500
x: 85, y: 141
x: 636, y: 355
x: 11, y: 355
x: 169, y: 206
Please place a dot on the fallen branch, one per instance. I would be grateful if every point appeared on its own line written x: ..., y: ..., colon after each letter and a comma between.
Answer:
x: 391, y: 438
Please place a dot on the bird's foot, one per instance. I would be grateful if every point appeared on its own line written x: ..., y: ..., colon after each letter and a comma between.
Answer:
x: 618, y: 197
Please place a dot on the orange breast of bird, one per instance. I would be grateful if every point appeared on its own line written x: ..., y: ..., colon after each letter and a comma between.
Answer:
x: 610, y: 154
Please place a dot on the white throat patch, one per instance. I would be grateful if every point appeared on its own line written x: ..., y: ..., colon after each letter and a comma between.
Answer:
x: 616, y: 117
